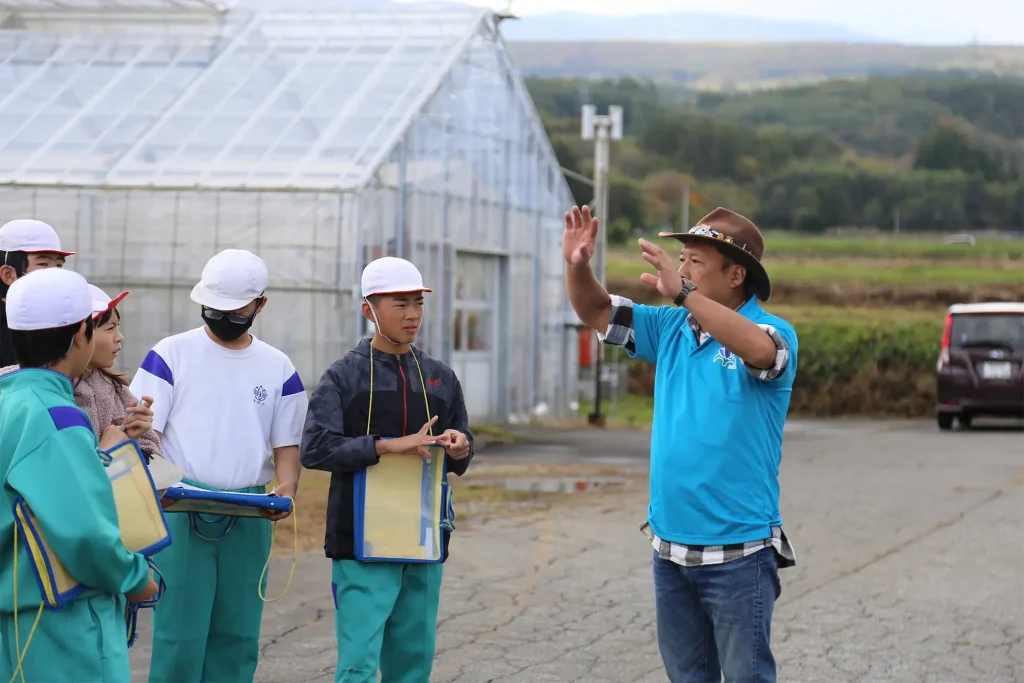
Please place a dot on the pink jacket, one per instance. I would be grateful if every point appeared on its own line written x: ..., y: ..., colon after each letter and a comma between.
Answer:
x: 105, y: 401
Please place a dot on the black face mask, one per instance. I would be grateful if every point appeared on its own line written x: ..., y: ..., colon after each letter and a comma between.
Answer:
x: 228, y: 326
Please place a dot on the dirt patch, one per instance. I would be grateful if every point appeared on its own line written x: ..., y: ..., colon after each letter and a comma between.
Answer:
x: 835, y: 294
x: 477, y: 497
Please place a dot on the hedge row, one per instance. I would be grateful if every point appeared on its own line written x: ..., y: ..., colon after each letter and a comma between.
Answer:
x: 855, y: 367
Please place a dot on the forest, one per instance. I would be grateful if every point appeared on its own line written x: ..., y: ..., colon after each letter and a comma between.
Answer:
x: 931, y: 152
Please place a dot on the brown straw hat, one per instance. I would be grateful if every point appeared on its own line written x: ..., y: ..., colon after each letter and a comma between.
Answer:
x: 736, y: 236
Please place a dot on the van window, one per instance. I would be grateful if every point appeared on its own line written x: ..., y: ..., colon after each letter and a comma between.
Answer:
x: 988, y: 330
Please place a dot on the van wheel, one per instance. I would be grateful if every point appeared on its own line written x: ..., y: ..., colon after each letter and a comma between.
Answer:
x: 945, y: 421
x: 965, y: 421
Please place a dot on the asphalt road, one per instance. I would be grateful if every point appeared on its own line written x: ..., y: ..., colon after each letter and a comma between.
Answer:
x: 910, y: 546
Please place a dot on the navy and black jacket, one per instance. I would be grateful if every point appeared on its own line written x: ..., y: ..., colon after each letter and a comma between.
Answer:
x: 335, y: 440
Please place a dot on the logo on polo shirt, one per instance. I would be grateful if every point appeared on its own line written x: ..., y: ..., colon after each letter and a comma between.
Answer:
x: 727, y: 357
x: 259, y: 395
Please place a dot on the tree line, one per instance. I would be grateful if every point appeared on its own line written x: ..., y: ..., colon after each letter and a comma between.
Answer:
x: 944, y: 153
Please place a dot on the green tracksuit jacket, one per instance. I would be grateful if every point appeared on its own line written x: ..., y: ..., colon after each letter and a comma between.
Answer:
x: 48, y: 456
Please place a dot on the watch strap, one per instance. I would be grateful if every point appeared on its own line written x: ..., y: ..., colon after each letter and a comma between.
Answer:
x: 684, y: 292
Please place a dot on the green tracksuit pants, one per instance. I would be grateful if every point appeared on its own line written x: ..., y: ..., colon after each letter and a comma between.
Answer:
x: 82, y: 641
x: 385, y: 617
x: 206, y: 627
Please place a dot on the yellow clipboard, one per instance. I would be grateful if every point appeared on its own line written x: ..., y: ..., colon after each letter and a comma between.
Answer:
x: 401, y: 506
x: 140, y: 516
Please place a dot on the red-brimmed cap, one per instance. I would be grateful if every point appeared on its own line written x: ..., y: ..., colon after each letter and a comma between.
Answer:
x: 32, y: 237
x: 103, y: 304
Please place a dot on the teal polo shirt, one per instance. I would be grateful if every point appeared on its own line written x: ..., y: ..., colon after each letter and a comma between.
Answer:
x: 716, y: 440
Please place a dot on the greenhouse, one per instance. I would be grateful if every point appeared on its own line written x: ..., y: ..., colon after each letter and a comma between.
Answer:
x: 152, y: 134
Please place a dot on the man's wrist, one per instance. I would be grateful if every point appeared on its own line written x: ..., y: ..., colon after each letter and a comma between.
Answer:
x: 579, y: 268
x: 688, y: 287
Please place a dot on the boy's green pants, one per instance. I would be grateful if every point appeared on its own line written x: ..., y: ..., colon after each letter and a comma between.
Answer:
x: 83, y: 641
x: 385, y: 616
x: 206, y: 627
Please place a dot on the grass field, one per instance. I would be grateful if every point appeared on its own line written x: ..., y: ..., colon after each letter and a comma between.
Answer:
x: 629, y: 411
x: 891, y: 246
x: 868, y: 261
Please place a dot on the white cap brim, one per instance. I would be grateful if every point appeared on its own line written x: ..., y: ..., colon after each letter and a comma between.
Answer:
x: 204, y: 297
x: 391, y: 291
x: 164, y: 473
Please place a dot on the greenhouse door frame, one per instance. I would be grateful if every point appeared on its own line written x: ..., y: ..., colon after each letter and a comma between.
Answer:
x: 497, y: 355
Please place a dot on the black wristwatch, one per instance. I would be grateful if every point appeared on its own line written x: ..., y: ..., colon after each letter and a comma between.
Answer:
x: 684, y: 292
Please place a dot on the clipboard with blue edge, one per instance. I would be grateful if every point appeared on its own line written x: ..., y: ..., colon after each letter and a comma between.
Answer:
x: 140, y: 518
x: 225, y: 503
x: 401, y: 507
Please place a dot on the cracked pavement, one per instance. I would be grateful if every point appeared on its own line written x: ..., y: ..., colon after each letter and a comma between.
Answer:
x: 909, y: 548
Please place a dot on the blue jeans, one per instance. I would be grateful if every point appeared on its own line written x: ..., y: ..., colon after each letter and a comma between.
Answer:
x: 717, y: 619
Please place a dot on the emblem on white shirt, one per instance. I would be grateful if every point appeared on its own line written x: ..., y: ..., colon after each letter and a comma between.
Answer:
x: 259, y: 395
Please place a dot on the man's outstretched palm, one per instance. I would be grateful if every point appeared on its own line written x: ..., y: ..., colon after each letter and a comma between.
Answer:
x: 579, y: 236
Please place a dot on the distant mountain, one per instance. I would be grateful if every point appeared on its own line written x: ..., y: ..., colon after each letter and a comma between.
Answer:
x: 730, y: 66
x: 575, y: 26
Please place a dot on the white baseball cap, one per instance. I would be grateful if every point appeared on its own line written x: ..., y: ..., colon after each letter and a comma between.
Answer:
x: 231, y: 280
x: 101, y: 303
x: 48, y: 298
x: 30, y: 236
x: 390, y: 275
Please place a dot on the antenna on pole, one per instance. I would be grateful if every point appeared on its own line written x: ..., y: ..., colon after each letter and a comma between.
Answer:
x: 505, y: 11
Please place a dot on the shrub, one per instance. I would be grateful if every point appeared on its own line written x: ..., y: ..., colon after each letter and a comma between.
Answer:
x: 854, y: 367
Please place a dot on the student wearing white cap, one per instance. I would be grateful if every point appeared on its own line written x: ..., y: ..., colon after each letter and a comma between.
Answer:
x: 102, y: 393
x: 370, y: 404
x: 230, y: 410
x: 25, y: 245
x: 48, y: 456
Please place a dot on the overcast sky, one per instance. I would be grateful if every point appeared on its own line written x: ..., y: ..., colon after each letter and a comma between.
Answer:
x: 910, y: 21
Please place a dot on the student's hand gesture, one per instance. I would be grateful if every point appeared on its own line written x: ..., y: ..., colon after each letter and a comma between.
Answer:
x: 417, y: 442
x: 579, y: 236
x: 138, y: 419
x: 456, y: 444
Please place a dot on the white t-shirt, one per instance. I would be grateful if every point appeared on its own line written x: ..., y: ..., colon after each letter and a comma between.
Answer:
x: 222, y: 412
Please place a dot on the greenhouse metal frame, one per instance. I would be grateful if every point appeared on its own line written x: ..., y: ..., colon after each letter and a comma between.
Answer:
x: 155, y: 135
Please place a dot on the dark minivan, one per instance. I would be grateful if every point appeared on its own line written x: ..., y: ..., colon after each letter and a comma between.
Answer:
x: 981, y: 364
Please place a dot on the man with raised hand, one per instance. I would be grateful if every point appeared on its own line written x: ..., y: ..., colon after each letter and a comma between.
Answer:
x: 723, y: 379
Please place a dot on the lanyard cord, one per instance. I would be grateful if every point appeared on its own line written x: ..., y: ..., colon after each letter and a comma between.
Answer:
x: 17, y: 637
x: 423, y: 386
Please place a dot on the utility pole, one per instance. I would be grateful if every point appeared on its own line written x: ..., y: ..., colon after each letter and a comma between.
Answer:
x: 686, y: 209
x: 602, y: 130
